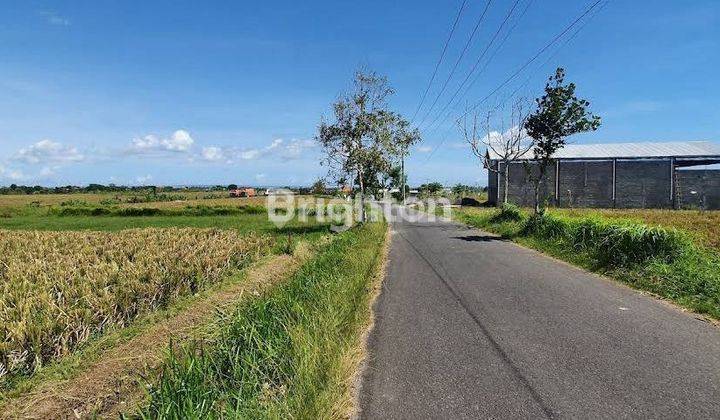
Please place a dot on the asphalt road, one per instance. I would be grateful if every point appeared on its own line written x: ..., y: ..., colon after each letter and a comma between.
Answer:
x: 470, y: 326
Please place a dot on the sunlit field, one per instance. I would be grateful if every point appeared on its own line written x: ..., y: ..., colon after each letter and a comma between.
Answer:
x: 59, y: 289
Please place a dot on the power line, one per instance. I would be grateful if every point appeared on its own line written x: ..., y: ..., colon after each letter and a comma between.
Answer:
x: 442, y: 55
x: 457, y: 62
x: 477, y: 62
x: 557, y: 51
x: 435, y: 126
x: 523, y: 67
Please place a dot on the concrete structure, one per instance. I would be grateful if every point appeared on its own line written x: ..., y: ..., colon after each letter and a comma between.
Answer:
x: 617, y: 175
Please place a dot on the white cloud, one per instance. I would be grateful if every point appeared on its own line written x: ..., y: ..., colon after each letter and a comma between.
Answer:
x: 143, y: 179
x: 47, y: 172
x: 499, y: 140
x: 55, y: 19
x: 179, y: 142
x: 260, y: 177
x: 248, y: 154
x: 295, y: 148
x: 278, y: 148
x: 424, y: 149
x: 212, y: 153
x: 11, y: 174
x: 48, y: 151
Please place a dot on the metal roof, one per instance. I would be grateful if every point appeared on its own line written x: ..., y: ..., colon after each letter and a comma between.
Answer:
x: 633, y: 150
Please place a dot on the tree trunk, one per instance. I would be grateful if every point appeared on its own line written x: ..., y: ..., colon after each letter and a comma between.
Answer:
x: 542, y: 168
x: 506, y: 179
x: 362, y: 197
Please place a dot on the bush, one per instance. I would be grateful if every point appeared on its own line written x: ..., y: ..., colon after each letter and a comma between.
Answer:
x: 508, y: 213
x: 610, y: 243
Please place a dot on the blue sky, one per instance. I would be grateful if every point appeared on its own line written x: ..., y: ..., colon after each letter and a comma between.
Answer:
x: 190, y: 92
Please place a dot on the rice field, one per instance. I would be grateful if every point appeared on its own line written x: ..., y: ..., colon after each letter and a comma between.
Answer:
x: 59, y: 289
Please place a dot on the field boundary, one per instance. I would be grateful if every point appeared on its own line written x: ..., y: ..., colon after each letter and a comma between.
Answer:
x: 113, y: 381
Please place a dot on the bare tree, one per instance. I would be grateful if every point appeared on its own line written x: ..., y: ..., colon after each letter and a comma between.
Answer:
x: 494, y: 139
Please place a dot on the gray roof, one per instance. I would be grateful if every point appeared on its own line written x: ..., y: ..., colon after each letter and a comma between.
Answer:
x: 634, y: 150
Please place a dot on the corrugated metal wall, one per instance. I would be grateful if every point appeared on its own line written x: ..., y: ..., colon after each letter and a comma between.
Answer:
x: 586, y: 184
x: 639, y: 184
x: 698, y: 189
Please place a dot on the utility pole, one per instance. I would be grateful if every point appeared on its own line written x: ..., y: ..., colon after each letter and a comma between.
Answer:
x: 402, y: 175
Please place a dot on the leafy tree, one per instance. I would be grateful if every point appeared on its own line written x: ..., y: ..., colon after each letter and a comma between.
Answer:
x: 396, y: 179
x: 366, y: 138
x: 430, y: 189
x: 319, y: 187
x: 462, y: 190
x: 232, y: 187
x: 559, y: 115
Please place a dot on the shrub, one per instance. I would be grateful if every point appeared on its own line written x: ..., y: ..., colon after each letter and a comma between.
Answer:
x: 508, y: 213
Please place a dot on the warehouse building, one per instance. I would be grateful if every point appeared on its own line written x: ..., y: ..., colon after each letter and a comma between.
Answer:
x: 617, y: 175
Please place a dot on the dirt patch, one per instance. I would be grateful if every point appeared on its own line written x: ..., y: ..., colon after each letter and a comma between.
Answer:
x: 114, y: 383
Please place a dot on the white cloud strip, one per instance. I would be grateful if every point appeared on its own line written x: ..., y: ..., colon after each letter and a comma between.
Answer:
x: 179, y: 142
x: 48, y: 151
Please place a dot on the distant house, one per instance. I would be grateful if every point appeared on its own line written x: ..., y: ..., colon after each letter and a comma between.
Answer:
x: 243, y: 192
x: 617, y: 175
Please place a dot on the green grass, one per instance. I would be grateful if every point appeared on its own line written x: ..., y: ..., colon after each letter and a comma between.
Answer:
x: 281, y: 355
x: 664, y: 261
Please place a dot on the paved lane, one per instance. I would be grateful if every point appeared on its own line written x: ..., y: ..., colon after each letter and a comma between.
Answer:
x: 469, y: 326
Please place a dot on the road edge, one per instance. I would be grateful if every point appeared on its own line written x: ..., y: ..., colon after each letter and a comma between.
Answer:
x: 360, y: 357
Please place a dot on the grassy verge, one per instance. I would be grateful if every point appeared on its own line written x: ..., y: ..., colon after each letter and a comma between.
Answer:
x: 664, y: 261
x: 282, y: 355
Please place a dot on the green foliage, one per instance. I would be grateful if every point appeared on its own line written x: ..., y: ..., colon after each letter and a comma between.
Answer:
x: 430, y: 189
x: 462, y: 190
x: 281, y: 355
x: 319, y: 187
x: 508, y: 213
x: 559, y: 114
x: 366, y: 138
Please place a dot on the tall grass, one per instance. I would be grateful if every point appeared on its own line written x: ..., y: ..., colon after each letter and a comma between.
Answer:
x: 662, y: 260
x: 58, y: 289
x: 279, y: 356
